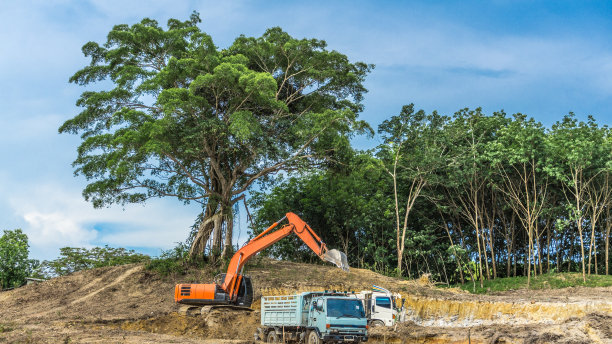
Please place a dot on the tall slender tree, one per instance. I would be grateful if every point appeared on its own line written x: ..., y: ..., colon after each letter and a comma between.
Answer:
x: 574, y: 150
x: 412, y: 154
x: 518, y: 155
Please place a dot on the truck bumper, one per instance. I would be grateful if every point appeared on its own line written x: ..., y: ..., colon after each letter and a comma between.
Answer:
x: 340, y: 337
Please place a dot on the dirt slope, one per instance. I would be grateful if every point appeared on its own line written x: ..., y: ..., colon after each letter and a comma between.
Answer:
x: 128, y: 304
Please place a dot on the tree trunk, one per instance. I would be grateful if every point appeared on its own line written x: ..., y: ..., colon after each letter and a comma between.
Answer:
x: 492, y: 252
x: 217, y: 235
x: 479, y: 251
x: 595, y: 256
x: 582, y: 249
x: 558, y: 247
x: 205, y: 229
x: 491, y: 224
x: 229, y: 235
x: 548, y: 246
x: 569, y: 257
x: 530, y: 249
x: 608, y: 225
x: 514, y: 261
x: 485, y: 253
x: 484, y: 242
x: 445, y: 224
x: 591, y: 242
x: 508, y: 259
x: 540, y: 253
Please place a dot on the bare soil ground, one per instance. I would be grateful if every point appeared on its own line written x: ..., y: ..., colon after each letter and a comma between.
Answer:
x: 128, y: 304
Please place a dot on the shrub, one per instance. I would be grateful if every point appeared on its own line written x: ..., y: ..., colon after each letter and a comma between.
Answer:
x: 14, y: 263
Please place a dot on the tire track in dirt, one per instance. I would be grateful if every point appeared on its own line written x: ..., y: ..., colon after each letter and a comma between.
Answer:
x: 117, y: 280
x: 113, y: 283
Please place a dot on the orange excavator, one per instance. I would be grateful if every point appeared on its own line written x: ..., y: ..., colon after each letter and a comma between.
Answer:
x: 235, y: 289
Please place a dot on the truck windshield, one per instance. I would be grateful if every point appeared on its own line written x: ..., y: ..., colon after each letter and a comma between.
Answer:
x: 345, y: 308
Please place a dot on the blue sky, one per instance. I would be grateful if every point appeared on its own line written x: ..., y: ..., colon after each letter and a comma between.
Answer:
x: 542, y: 58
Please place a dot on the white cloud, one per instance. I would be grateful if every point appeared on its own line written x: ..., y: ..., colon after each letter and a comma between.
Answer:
x: 55, y: 216
x: 56, y: 229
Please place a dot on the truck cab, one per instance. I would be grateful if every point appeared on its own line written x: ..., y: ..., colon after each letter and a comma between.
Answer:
x: 382, y: 307
x: 338, y: 318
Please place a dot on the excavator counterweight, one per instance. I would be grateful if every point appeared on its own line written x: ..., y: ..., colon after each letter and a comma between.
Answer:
x: 234, y: 287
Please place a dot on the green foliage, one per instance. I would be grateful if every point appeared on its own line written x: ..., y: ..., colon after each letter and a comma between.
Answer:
x: 341, y: 206
x: 171, y: 262
x: 488, y: 178
x: 545, y: 281
x: 417, y: 140
x: 575, y: 146
x: 14, y: 263
x: 73, y: 259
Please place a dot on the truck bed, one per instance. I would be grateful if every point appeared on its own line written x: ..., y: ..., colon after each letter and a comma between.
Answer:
x: 283, y: 310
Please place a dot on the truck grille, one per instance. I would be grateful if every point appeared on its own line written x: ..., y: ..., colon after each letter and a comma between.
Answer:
x: 347, y: 326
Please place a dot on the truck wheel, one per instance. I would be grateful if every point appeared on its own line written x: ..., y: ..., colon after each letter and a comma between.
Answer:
x: 313, y: 338
x: 272, y: 338
x: 377, y: 323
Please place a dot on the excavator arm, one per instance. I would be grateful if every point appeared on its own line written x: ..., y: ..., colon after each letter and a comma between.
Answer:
x: 233, y: 278
x: 266, y: 239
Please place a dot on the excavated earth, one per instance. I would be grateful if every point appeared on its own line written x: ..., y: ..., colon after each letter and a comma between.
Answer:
x: 128, y: 304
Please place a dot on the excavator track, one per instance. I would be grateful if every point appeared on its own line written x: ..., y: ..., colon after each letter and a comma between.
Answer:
x: 236, y: 308
x: 197, y: 310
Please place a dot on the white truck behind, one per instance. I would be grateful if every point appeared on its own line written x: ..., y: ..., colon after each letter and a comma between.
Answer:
x: 382, y: 307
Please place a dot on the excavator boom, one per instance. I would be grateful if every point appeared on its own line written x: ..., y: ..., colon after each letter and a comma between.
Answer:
x: 235, y: 287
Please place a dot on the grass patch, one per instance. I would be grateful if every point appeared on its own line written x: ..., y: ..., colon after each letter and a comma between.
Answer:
x: 5, y: 328
x: 546, y: 281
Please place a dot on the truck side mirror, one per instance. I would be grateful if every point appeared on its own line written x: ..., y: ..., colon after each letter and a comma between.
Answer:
x: 373, y: 308
x: 319, y: 305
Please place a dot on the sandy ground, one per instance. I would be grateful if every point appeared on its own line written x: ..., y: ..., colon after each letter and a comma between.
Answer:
x: 128, y: 304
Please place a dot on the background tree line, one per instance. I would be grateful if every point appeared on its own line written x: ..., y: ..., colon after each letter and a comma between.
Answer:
x: 16, y: 266
x: 463, y: 197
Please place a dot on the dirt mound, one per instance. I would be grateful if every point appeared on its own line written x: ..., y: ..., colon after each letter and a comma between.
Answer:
x: 101, y: 294
x: 128, y: 304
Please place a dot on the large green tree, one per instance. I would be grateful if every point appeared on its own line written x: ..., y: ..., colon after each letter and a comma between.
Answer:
x: 186, y: 119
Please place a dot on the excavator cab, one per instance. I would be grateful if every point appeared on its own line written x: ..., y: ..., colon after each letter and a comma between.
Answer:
x: 245, y: 291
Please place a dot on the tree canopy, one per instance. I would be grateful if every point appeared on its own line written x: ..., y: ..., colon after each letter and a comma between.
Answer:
x: 188, y: 120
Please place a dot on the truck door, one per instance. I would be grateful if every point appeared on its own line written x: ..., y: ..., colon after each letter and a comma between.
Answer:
x: 383, y: 310
x: 317, y: 314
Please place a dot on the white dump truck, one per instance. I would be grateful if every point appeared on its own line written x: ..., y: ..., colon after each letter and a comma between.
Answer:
x: 382, y: 307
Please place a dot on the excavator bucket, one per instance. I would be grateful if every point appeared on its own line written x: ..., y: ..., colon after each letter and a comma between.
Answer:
x: 338, y: 258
